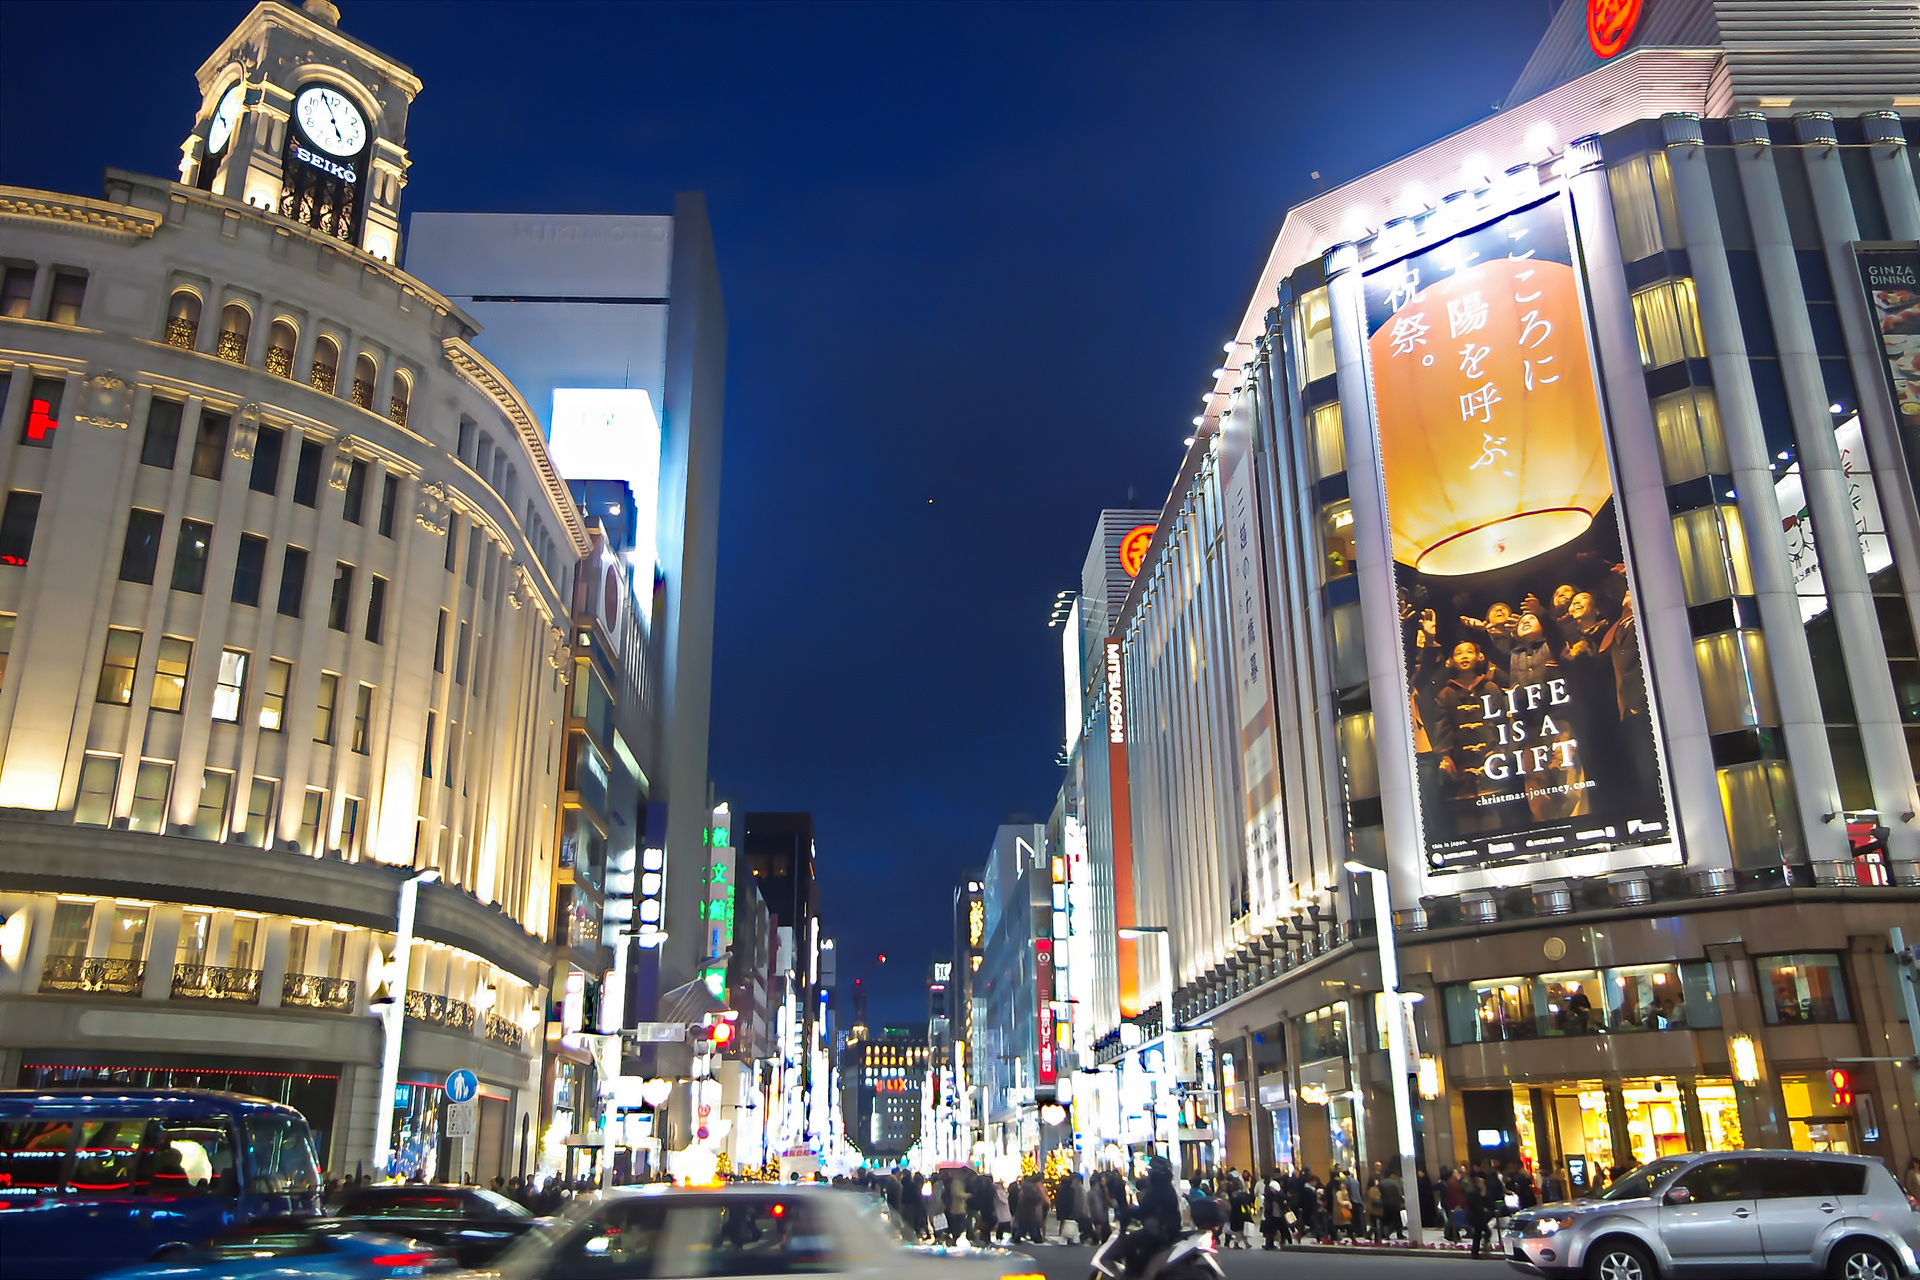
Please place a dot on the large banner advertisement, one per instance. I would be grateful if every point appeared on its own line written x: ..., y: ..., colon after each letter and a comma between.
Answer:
x: 1531, y: 723
x: 1892, y: 280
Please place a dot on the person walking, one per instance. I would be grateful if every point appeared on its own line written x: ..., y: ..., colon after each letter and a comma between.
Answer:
x: 1478, y: 1195
x: 1376, y: 1209
x: 1341, y: 1207
x: 1454, y: 1201
x: 1002, y: 1211
x: 1393, y: 1203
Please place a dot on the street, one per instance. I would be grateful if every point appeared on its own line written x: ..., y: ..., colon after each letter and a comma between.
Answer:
x: 1064, y: 1262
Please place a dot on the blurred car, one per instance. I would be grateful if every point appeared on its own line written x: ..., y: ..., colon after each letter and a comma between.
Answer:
x: 471, y: 1223
x: 743, y: 1230
x: 311, y: 1247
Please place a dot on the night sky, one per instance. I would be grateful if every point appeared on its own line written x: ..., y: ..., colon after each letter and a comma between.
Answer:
x: 978, y: 260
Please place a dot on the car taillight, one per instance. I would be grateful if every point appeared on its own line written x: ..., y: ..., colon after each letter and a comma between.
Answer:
x: 402, y: 1259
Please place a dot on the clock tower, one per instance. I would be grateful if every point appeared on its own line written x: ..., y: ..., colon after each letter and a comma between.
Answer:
x: 299, y: 118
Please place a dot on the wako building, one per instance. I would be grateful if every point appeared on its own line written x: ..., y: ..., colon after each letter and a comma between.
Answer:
x: 1549, y: 541
x: 273, y: 641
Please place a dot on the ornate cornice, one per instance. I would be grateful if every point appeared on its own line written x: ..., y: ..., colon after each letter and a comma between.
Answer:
x: 479, y: 371
x: 23, y: 205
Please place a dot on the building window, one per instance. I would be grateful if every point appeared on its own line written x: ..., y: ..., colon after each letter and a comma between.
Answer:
x: 281, y: 340
x: 326, y: 364
x: 231, y: 690
x: 1316, y: 334
x: 293, y: 581
x: 1323, y: 1033
x: 377, y: 609
x: 1668, y: 322
x: 210, y: 814
x: 1736, y: 681
x: 183, y: 319
x: 17, y: 524
x: 151, y: 782
x: 453, y: 753
x: 350, y: 827
x: 249, y: 567
x: 236, y: 325
x: 1802, y: 988
x: 311, y: 809
x: 1762, y: 814
x: 1644, y: 212
x: 6, y: 644
x: 1691, y: 442
x: 268, y: 445
x: 389, y: 498
x: 440, y: 643
x: 140, y: 553
x: 16, y: 292
x: 273, y: 696
x: 453, y: 542
x: 94, y: 805
x: 169, y: 672
x: 460, y: 657
x: 401, y: 398
x: 260, y: 813
x: 340, y: 606
x: 116, y: 667
x: 364, y: 374
x: 362, y: 718
x: 306, y: 478
x: 1336, y: 538
x: 356, y: 491
x: 426, y: 749
x: 1712, y: 543
x: 190, y: 556
x: 162, y: 441
x: 329, y: 697
x: 473, y: 554
x: 210, y: 445
x: 43, y: 412
x: 1329, y: 441
x: 69, y: 290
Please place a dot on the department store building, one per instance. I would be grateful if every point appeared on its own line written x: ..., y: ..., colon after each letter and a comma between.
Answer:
x: 1548, y: 540
x: 274, y: 637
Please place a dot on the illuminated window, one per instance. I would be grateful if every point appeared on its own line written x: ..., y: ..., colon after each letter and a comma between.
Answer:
x: 72, y: 930
x: 16, y: 292
x: 140, y: 553
x: 1329, y: 441
x: 364, y: 374
x: 116, y: 667
x: 93, y: 807
x: 1644, y: 211
x: 1762, y: 814
x: 273, y: 695
x: 1336, y: 535
x: 340, y: 605
x: 362, y: 717
x: 260, y: 812
x: 43, y: 412
x: 162, y: 440
x: 17, y: 524
x: 1712, y: 543
x: 210, y: 445
x: 323, y: 712
x: 326, y: 364
x: 1691, y: 442
x: 249, y: 567
x: 1802, y: 988
x: 231, y: 689
x: 236, y: 324
x: 170, y: 672
x: 1736, y: 681
x: 151, y: 783
x: 1668, y: 323
x: 190, y: 556
x: 281, y: 340
x: 311, y: 809
x: 69, y: 290
x: 1315, y: 320
x: 183, y: 319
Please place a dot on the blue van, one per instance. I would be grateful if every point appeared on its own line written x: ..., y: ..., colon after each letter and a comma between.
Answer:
x: 97, y: 1178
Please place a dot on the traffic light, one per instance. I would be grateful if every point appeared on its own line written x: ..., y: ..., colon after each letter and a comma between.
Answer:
x: 1840, y: 1080
x: 722, y: 1034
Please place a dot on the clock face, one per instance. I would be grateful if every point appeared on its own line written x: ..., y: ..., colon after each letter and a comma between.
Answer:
x: 331, y: 121
x: 225, y: 116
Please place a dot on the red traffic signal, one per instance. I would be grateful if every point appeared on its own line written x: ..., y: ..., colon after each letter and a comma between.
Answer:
x: 1840, y: 1080
x: 722, y: 1033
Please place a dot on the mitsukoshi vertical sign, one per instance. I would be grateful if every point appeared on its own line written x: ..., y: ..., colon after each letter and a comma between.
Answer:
x: 1530, y: 711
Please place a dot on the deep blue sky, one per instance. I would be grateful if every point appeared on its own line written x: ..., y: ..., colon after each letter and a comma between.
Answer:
x: 978, y: 262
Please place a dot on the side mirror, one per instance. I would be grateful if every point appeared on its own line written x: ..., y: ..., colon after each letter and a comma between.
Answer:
x: 1679, y: 1195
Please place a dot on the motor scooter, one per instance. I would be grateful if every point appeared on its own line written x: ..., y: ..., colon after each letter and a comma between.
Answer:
x: 1188, y: 1256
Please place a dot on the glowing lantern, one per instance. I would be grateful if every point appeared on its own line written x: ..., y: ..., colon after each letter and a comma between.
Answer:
x: 1490, y: 440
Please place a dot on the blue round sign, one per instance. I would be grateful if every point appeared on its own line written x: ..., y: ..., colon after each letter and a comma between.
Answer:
x: 462, y: 1085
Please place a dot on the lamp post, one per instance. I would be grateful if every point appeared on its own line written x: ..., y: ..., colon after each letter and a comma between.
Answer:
x: 392, y: 1016
x: 1397, y: 1048
x: 1165, y: 939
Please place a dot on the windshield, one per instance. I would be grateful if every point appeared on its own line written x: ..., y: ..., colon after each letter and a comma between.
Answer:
x: 1639, y: 1184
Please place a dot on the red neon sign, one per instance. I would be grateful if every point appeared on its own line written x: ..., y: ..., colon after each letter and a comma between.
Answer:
x: 1610, y: 24
x: 1133, y: 548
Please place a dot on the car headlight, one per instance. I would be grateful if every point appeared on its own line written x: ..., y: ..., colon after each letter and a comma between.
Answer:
x: 1549, y: 1226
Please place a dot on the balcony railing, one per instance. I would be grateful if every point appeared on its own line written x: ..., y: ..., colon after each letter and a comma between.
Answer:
x: 231, y: 346
x: 321, y: 377
x: 181, y: 332
x: 397, y: 410
x: 441, y: 1011
x: 309, y: 991
x: 280, y: 362
x: 93, y: 974
x: 215, y: 982
x: 500, y: 1031
x: 363, y: 393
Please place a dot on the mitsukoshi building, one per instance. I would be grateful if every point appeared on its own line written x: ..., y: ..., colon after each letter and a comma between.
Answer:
x: 1549, y: 541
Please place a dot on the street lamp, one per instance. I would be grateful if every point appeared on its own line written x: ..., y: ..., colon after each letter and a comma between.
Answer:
x: 391, y: 1018
x: 1397, y: 1047
x: 1159, y: 931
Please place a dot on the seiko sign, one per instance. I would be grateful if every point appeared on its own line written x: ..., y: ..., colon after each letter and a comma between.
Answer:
x: 323, y: 164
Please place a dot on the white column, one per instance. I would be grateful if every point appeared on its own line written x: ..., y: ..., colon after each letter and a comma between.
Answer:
x: 163, y: 946
x: 1893, y: 171
x: 273, y: 960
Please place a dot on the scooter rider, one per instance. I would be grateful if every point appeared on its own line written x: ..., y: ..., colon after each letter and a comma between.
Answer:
x: 1158, y: 1216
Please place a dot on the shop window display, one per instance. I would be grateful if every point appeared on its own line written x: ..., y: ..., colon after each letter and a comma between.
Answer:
x: 1802, y: 988
x: 1656, y: 1118
x: 1814, y: 1123
x: 1662, y: 997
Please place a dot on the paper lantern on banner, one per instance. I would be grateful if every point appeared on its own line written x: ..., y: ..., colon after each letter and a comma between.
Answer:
x: 1490, y: 439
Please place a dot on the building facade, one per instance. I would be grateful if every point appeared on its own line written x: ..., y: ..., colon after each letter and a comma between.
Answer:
x: 272, y: 644
x: 1547, y: 543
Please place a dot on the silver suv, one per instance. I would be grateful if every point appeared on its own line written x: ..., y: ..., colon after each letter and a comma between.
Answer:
x: 1729, y: 1213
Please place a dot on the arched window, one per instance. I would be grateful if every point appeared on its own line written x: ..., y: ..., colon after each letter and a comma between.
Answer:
x: 281, y: 340
x: 402, y: 397
x: 183, y: 318
x: 363, y: 375
x: 235, y: 324
x: 326, y: 364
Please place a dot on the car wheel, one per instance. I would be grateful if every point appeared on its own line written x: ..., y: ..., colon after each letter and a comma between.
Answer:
x: 1862, y: 1260
x: 1620, y: 1260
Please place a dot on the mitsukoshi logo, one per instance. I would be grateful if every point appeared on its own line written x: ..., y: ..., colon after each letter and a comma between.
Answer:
x: 1610, y: 25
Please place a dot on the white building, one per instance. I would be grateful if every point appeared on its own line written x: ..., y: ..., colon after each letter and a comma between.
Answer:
x: 269, y: 643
